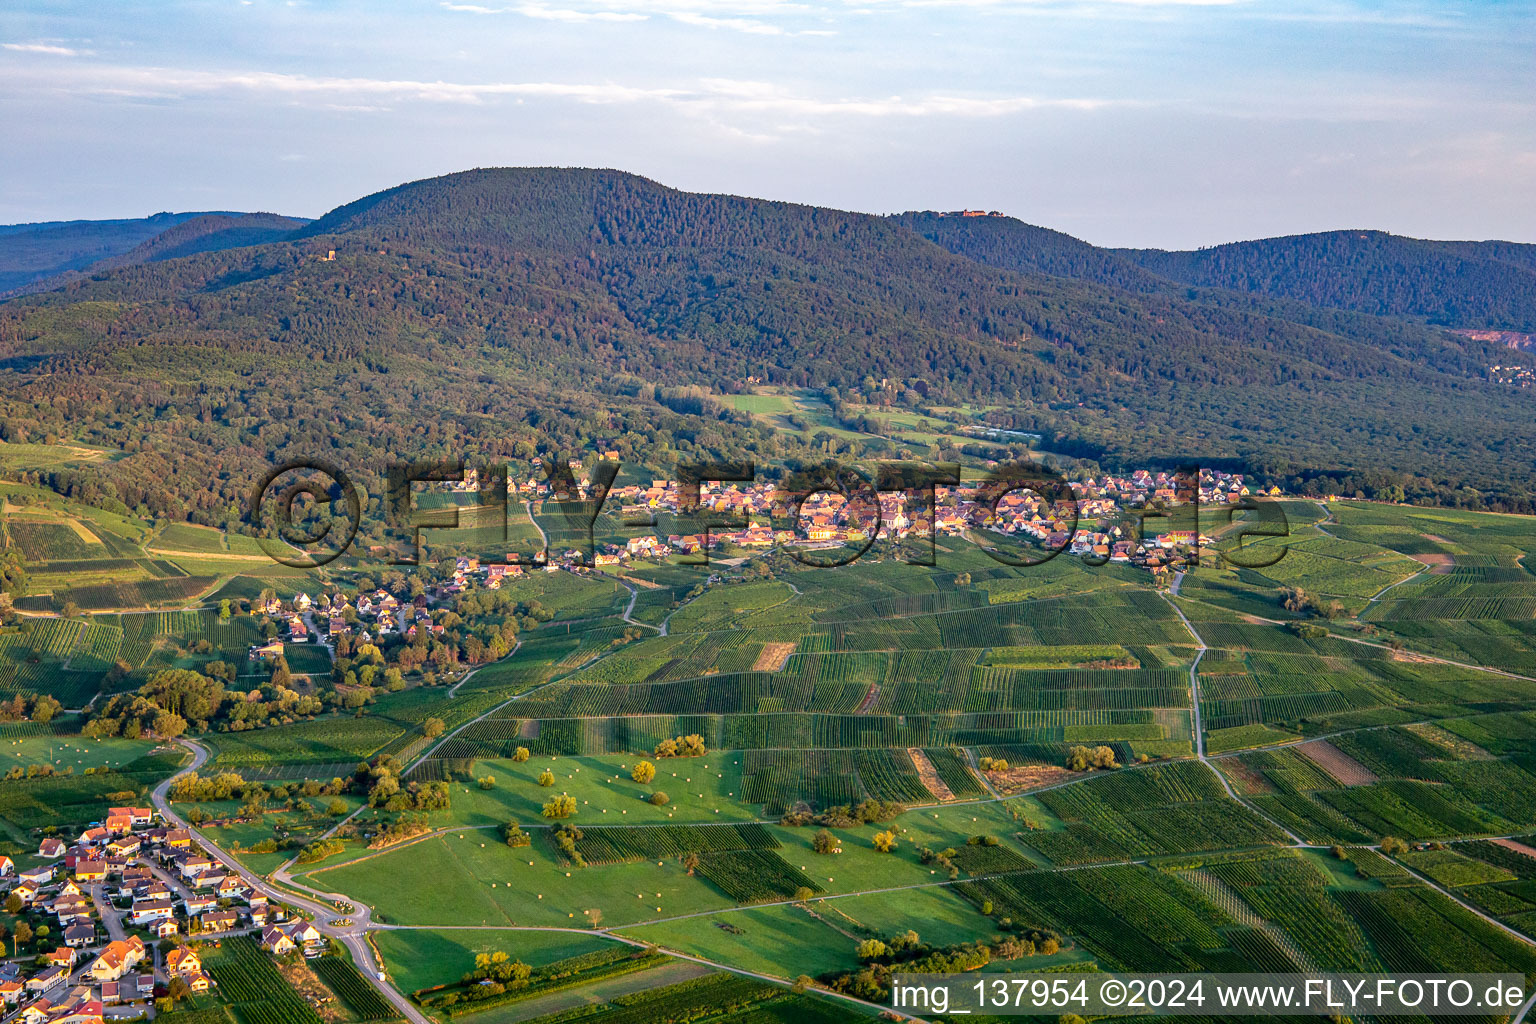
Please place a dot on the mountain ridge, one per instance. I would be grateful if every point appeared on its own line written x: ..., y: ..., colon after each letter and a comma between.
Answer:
x: 552, y: 308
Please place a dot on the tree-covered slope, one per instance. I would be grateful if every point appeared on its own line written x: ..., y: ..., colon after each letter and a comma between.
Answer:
x: 496, y: 310
x: 31, y: 252
x: 1457, y: 284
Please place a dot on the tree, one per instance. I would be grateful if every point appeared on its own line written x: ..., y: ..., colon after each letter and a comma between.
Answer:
x: 658, y: 799
x: 870, y: 949
x: 13, y: 904
x: 690, y: 861
x: 336, y: 808
x: 520, y: 754
x: 514, y: 835
x: 643, y: 772
x: 1104, y: 757
x: 22, y: 935
x: 488, y: 782
x: 546, y: 778
x: 432, y: 728
x: 562, y: 806
x: 824, y: 842
x: 885, y: 842
x: 1393, y: 846
x: 224, y: 610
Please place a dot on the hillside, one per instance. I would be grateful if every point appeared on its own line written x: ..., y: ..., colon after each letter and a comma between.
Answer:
x: 1455, y: 284
x: 504, y: 310
x: 205, y: 232
x: 31, y: 252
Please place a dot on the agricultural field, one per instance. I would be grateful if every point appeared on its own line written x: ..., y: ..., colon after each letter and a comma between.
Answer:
x: 1395, y: 701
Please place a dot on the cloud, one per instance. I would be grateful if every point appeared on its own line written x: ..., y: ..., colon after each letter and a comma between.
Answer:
x: 739, y: 16
x: 48, y: 48
x: 710, y: 97
x: 543, y: 13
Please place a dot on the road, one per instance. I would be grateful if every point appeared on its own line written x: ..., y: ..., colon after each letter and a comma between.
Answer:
x: 353, y: 936
x: 1194, y: 704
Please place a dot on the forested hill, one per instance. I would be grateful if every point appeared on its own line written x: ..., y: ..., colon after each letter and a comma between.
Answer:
x: 501, y: 310
x: 31, y: 252
x: 204, y: 232
x: 1456, y: 284
x: 1011, y: 244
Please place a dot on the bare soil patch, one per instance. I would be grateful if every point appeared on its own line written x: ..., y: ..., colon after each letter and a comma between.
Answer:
x: 314, y: 992
x: 1018, y: 778
x: 1510, y: 844
x: 1437, y: 561
x: 772, y: 657
x: 929, y: 775
x: 1335, y: 762
x: 1248, y: 781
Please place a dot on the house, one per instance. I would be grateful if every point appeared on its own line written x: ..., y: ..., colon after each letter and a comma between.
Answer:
x: 193, y: 864
x: 302, y: 602
x: 231, y: 887
x: 127, y: 846
x: 147, y: 912
x: 270, y: 649
x: 119, y: 824
x: 36, y: 1013
x: 218, y: 921
x: 26, y: 892
x: 51, y: 848
x: 200, y: 904
x: 7, y: 866
x: 145, y: 986
x: 94, y: 836
x: 78, y: 936
x: 143, y: 817
x: 199, y: 982
x: 47, y: 980
x: 38, y: 876
x: 305, y: 934
x: 117, y: 959
x: 275, y: 941
x: 182, y: 961
x: 112, y: 993
x: 83, y: 1013
x: 63, y: 957
x: 90, y: 870
x: 10, y: 992
x: 165, y: 929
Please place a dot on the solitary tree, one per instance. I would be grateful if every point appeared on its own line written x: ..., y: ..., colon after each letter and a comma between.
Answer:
x: 824, y: 842
x: 870, y: 949
x: 562, y: 806
x: 546, y: 777
x: 520, y: 754
x: 885, y: 842
x: 643, y: 772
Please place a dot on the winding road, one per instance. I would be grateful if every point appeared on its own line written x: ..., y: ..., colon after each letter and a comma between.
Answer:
x: 354, y: 936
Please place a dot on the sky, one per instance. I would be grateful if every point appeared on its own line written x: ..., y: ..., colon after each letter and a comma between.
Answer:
x: 1169, y: 123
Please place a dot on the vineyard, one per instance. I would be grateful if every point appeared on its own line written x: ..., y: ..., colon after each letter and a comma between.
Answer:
x: 754, y: 876
x: 616, y: 845
x: 248, y: 980
x: 361, y: 999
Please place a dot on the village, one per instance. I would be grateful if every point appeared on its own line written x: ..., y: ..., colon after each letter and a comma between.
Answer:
x: 1103, y: 528
x: 1145, y: 520
x: 125, y: 906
